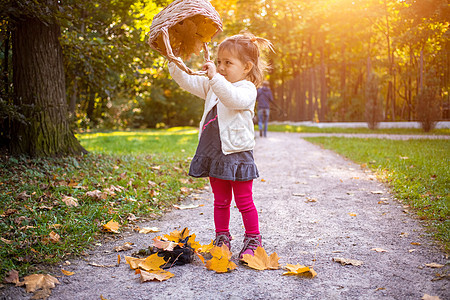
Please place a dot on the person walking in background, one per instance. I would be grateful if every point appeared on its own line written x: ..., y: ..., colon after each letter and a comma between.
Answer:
x: 263, y: 100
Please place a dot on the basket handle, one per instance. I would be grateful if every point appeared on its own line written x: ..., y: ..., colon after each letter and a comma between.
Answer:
x: 178, y: 61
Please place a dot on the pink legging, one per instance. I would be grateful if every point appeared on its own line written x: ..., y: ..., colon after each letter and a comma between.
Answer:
x: 243, y: 197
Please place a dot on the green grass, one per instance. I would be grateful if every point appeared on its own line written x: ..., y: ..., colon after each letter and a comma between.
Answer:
x: 121, y: 159
x: 417, y: 171
x: 313, y: 129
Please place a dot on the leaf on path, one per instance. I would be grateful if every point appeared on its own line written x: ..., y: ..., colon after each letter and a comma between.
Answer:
x: 185, y: 190
x: 125, y: 247
x: 159, y: 275
x: 298, y: 194
x: 429, y: 297
x: 12, y: 277
x: 310, y: 200
x: 152, y: 263
x: 261, y: 261
x: 206, y: 248
x: 67, y: 273
x: 176, y: 236
x: 185, y: 206
x: 220, y: 261
x: 352, y: 214
x: 377, y: 192
x: 434, y: 265
x: 415, y: 243
x: 378, y: 250
x: 163, y: 244
x: 146, y: 230
x: 348, y: 261
x: 133, y: 261
x: 70, y: 201
x: 100, y: 265
x: 39, y: 284
x: 300, y: 270
x: 111, y: 226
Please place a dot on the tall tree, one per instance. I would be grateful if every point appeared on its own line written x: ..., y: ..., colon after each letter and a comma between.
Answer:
x: 39, y: 84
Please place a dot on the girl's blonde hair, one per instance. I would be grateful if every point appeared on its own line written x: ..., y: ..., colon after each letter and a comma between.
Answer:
x: 247, y: 47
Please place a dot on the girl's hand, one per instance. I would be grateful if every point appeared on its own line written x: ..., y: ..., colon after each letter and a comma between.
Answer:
x: 210, y: 69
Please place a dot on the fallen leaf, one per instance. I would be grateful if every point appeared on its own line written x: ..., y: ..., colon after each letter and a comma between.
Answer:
x: 118, y: 259
x: 146, y: 230
x: 310, y: 200
x: 12, y: 277
x: 411, y: 250
x: 100, y: 265
x: 36, y: 282
x: 300, y: 270
x: 298, y: 194
x: 133, y: 261
x: 220, y: 261
x: 261, y: 261
x: 53, y: 237
x: 377, y: 192
x: 206, y: 248
x: 348, y: 261
x: 415, y: 243
x: 352, y: 214
x: 125, y: 247
x: 186, y: 206
x: 9, y: 242
x: 152, y: 263
x: 429, y: 297
x: 164, y: 245
x: 111, y: 226
x: 434, y: 265
x: 67, y: 273
x: 159, y: 275
x: 97, y: 195
x: 176, y: 236
x: 378, y: 250
x: 70, y: 201
x: 404, y: 234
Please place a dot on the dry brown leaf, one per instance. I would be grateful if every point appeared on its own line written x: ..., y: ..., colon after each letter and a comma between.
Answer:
x: 111, y: 226
x: 67, y: 273
x: 52, y: 237
x: 12, y: 277
x: 159, y: 275
x: 434, y: 265
x: 348, y: 261
x: 220, y: 261
x: 261, y: 261
x: 378, y: 250
x: 36, y: 282
x: 429, y: 297
x: 146, y: 230
x: 70, y: 201
x: 9, y: 242
x: 300, y: 270
x: 97, y: 195
x: 125, y: 247
x: 185, y: 206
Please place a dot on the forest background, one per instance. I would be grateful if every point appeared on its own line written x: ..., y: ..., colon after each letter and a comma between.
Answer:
x: 335, y: 60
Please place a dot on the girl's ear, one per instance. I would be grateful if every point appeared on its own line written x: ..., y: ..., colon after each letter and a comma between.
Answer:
x: 248, y: 66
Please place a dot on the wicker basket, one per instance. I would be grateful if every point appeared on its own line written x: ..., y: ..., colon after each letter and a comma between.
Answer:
x: 182, y: 28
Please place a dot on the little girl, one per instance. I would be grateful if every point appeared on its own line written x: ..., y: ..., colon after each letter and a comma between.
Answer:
x: 225, y: 149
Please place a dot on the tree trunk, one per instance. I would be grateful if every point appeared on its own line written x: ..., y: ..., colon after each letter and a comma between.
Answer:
x: 39, y: 84
x: 323, y: 88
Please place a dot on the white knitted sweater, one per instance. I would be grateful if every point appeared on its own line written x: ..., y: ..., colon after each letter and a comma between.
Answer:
x: 235, y: 106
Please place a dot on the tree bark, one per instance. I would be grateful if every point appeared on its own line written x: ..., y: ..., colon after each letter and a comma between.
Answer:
x: 39, y: 84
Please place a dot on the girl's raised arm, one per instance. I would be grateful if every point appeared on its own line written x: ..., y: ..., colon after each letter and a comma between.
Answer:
x: 234, y: 97
x: 196, y: 85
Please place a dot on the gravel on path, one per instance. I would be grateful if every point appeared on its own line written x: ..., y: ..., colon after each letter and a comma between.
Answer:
x: 314, y: 206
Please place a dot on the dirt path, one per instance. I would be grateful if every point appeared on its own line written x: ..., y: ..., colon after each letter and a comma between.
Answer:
x: 313, y: 206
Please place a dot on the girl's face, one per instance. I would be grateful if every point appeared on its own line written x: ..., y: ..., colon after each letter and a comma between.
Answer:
x: 231, y: 67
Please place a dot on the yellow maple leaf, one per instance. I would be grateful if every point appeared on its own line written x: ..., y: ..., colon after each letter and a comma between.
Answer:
x: 220, y: 261
x: 176, y: 236
x: 193, y: 243
x: 152, y: 263
x: 159, y: 275
x: 300, y: 270
x: 261, y: 261
x: 162, y: 244
x: 133, y: 261
x: 112, y: 226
